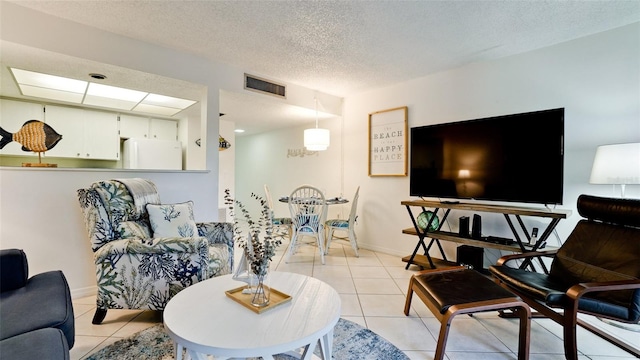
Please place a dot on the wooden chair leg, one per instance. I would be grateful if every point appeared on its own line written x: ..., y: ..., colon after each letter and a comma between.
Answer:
x: 569, y: 334
x: 407, y: 302
x: 524, y: 339
x: 442, y: 337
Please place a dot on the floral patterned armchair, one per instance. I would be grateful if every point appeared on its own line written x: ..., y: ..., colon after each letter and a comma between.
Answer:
x: 145, y: 252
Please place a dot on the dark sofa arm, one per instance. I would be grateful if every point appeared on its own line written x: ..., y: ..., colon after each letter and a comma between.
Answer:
x: 14, y: 270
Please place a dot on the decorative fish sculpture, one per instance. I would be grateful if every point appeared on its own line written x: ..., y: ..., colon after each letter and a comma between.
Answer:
x: 34, y: 136
x: 223, y: 144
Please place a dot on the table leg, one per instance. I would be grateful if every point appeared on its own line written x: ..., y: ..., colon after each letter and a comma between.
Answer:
x: 326, y: 344
x: 307, y: 351
x: 177, y: 351
x: 196, y: 355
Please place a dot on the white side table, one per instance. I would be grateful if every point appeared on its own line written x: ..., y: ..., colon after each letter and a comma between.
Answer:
x: 203, y: 320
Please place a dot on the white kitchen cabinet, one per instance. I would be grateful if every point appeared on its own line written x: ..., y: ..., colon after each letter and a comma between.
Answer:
x: 163, y: 129
x: 86, y: 134
x: 140, y: 127
x: 133, y: 127
x: 101, y: 135
x: 13, y: 114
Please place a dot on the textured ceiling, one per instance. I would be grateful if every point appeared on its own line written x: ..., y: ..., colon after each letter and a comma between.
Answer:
x: 337, y: 47
x: 348, y: 46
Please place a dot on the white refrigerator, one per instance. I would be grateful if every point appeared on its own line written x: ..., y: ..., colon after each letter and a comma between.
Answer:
x: 152, y: 154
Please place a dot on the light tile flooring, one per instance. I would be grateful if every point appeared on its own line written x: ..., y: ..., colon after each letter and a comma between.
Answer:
x: 372, y: 288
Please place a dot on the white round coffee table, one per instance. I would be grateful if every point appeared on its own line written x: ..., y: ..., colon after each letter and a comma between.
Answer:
x: 203, y: 320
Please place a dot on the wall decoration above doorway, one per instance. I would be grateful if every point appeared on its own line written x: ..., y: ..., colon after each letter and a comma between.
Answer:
x: 388, y: 142
x: 300, y: 152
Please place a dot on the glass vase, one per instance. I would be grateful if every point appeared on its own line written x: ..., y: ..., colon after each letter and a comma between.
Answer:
x: 261, y: 292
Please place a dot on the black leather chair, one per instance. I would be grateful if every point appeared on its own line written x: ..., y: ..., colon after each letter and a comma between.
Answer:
x: 596, y: 271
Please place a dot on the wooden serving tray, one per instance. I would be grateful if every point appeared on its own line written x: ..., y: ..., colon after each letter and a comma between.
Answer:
x: 277, y: 298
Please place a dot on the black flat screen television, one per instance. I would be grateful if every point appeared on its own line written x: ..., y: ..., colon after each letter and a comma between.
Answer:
x: 514, y: 158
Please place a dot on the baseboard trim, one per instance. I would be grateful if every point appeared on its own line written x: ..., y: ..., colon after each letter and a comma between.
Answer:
x: 84, y: 292
x: 382, y: 250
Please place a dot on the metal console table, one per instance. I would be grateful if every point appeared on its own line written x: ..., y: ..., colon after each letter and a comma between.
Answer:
x: 508, y: 211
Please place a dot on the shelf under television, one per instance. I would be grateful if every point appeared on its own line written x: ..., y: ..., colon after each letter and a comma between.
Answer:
x: 453, y: 237
x: 510, y: 214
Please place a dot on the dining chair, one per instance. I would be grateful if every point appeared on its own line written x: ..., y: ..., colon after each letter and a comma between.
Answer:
x: 308, y: 212
x: 347, y: 225
x: 282, y: 225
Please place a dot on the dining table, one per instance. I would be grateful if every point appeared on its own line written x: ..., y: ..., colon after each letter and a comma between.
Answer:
x: 329, y: 201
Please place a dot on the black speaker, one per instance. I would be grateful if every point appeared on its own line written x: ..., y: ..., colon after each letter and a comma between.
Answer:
x: 470, y: 256
x: 476, y: 229
x: 463, y: 226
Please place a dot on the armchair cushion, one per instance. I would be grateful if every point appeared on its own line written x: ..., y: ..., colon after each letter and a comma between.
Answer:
x: 338, y: 223
x: 553, y: 292
x: 134, y: 229
x: 172, y: 220
x: 41, y: 344
x: 598, y: 252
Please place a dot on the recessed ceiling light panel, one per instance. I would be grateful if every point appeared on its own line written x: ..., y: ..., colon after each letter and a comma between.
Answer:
x: 167, y: 101
x: 158, y: 110
x: 108, y: 102
x: 82, y: 92
x: 35, y: 79
x: 114, y: 92
x: 40, y: 92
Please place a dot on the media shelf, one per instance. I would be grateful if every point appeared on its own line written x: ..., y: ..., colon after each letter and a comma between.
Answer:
x: 426, y: 261
x: 453, y: 237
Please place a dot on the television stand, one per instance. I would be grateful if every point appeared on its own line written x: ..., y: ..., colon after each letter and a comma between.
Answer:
x: 426, y: 261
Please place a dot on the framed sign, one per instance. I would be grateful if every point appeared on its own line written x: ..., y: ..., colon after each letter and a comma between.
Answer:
x: 388, y: 142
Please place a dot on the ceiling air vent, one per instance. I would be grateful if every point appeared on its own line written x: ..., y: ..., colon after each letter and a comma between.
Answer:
x: 256, y: 84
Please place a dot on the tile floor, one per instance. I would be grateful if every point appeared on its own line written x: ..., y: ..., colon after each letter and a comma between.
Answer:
x: 372, y: 288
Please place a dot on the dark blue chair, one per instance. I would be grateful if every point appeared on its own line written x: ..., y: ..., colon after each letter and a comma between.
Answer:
x: 36, y: 312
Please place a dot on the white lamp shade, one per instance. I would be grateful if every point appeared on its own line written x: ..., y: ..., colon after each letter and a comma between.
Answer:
x: 616, y: 164
x: 316, y: 139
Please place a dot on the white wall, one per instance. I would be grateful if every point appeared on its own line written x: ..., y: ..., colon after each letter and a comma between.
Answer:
x: 596, y: 79
x: 265, y: 159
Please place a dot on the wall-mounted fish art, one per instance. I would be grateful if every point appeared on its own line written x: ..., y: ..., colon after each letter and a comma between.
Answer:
x: 34, y: 136
x: 223, y: 144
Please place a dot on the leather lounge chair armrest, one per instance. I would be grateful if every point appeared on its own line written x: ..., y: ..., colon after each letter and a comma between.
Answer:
x: 504, y: 259
x: 577, y: 291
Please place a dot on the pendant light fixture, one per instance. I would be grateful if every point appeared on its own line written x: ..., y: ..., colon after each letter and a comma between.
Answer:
x: 316, y: 139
